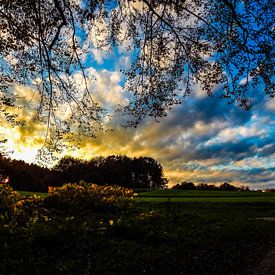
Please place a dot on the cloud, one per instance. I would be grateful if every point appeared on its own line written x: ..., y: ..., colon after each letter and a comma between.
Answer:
x: 235, y: 134
x: 202, y: 140
x: 270, y: 105
x: 23, y: 140
x: 104, y: 86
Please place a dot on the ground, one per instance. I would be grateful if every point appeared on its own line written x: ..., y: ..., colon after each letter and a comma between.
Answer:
x: 171, y: 232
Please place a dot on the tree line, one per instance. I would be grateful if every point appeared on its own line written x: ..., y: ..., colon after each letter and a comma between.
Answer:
x: 205, y: 186
x: 142, y: 172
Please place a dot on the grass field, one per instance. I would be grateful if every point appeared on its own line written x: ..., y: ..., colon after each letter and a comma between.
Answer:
x: 207, y: 203
x: 226, y: 228
x: 205, y: 196
x: 166, y: 232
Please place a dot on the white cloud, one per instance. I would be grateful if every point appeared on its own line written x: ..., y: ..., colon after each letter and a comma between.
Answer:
x: 270, y: 104
x: 236, y: 134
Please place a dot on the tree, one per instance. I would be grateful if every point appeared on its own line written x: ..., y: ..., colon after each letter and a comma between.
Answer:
x: 147, y: 173
x: 24, y: 176
x: 119, y: 170
x: 185, y: 186
x: 227, y: 187
x: 175, y: 43
x: 71, y: 170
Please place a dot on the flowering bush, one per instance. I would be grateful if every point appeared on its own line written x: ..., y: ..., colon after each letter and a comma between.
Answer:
x: 83, y: 202
x: 76, y: 198
x: 112, y: 193
x: 28, y: 210
x: 8, y: 197
x: 17, y: 209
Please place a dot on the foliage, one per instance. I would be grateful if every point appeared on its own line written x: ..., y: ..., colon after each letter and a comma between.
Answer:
x: 8, y: 198
x: 142, y: 172
x: 174, y: 44
x: 199, y: 238
x: 24, y: 176
x: 94, y: 207
x: 78, y: 198
x: 28, y: 211
x: 185, y: 186
x: 204, y: 186
x: 18, y: 210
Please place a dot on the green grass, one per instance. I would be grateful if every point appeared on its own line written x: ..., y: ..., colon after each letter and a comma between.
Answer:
x: 177, y: 196
x: 167, y: 232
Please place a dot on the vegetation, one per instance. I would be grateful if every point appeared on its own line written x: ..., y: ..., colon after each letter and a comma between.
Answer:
x: 174, y: 45
x: 204, y: 186
x: 90, y: 228
x: 143, y: 172
x: 84, y: 228
x: 182, y: 196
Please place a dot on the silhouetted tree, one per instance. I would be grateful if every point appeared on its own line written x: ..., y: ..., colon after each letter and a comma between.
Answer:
x: 185, y: 186
x: 140, y: 172
x: 71, y: 169
x: 205, y: 186
x: 23, y: 176
x: 227, y: 187
x: 210, y: 187
x: 120, y: 170
x: 147, y: 173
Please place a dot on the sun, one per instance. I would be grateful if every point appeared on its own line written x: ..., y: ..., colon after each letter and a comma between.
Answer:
x: 24, y: 153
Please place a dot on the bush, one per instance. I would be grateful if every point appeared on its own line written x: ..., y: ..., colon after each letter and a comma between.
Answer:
x: 19, y: 210
x: 70, y: 200
x: 29, y: 210
x: 8, y: 198
x: 83, y: 197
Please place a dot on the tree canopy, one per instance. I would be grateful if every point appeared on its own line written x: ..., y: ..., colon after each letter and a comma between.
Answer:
x: 142, y: 172
x: 174, y: 43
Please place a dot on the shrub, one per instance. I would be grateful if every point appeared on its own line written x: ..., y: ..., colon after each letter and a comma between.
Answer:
x: 8, y: 197
x: 19, y: 210
x: 28, y: 211
x: 76, y: 198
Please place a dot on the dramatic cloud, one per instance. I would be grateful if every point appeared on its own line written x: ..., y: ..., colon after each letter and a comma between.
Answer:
x: 202, y: 140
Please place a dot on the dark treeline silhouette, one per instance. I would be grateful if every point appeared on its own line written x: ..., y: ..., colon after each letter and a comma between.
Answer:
x: 24, y: 176
x: 142, y: 172
x: 204, y: 186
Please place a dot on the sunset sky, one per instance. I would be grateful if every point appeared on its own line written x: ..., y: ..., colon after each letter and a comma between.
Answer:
x: 202, y: 140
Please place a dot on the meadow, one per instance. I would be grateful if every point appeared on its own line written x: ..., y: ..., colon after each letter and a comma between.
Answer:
x: 205, y: 196
x: 157, y: 232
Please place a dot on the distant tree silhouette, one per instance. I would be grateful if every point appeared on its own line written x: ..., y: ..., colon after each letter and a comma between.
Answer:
x: 205, y: 186
x: 185, y: 186
x: 23, y: 176
x: 147, y: 173
x: 210, y: 187
x: 70, y: 169
x: 227, y: 187
x: 143, y: 172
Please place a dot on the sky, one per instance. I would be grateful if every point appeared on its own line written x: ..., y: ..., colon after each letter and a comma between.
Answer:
x: 204, y: 139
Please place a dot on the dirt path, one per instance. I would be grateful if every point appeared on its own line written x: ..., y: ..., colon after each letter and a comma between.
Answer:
x: 267, y: 266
